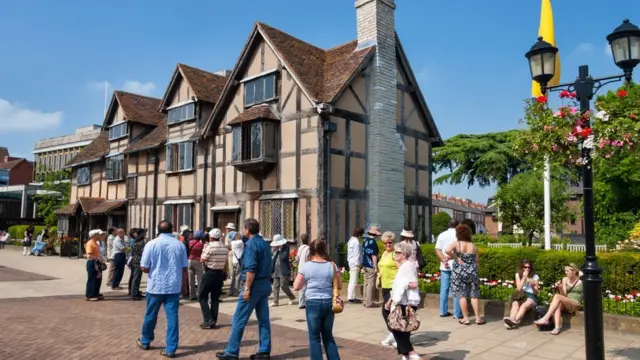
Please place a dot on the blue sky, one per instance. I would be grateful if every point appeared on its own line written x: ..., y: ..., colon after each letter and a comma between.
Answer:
x: 468, y: 55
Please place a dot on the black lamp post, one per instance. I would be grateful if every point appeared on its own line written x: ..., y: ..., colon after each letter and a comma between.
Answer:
x: 625, y: 46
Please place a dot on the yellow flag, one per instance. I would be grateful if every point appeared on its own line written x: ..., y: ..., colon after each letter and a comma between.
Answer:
x: 548, y: 35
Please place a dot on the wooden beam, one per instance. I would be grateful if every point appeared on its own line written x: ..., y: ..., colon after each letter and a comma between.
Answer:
x: 298, y: 115
x: 355, y: 95
x: 342, y: 193
x: 298, y: 137
x: 351, y: 115
x: 405, y: 88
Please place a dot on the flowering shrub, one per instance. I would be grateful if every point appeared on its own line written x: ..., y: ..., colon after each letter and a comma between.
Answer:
x: 292, y: 260
x: 612, y: 130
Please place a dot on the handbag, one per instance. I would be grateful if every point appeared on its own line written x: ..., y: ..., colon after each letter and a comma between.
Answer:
x: 403, y: 323
x: 420, y: 258
x: 103, y: 266
x: 336, y: 301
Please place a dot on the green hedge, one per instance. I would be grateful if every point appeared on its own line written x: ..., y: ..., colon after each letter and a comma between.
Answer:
x: 17, y: 231
x: 621, y: 270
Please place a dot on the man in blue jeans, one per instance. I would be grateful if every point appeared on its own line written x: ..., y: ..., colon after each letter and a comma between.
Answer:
x: 445, y: 239
x: 164, y: 259
x: 255, y: 278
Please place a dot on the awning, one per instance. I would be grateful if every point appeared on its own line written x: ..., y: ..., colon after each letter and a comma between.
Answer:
x: 226, y: 208
x: 179, y: 201
x: 278, y: 196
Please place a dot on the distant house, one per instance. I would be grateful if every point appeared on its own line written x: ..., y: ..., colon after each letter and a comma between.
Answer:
x: 460, y: 209
x: 16, y: 196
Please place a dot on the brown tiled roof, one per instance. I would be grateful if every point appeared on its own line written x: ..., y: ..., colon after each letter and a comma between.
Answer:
x: 262, y: 111
x: 105, y: 207
x: 67, y: 210
x: 95, y: 206
x: 10, y: 164
x: 152, y: 140
x: 205, y: 85
x: 140, y: 109
x: 322, y: 73
x: 95, y: 151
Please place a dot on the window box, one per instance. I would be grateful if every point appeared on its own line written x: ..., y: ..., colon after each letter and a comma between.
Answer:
x: 254, y: 148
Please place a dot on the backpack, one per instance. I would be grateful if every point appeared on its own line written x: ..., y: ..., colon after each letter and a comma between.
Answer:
x: 420, y: 258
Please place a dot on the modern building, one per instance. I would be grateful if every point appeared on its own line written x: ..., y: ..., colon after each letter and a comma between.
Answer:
x: 306, y: 140
x: 16, y: 196
x: 54, y: 153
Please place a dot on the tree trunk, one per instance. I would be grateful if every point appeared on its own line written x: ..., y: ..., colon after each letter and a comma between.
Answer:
x: 530, y: 238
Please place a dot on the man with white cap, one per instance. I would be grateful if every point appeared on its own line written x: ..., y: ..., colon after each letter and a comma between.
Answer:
x: 214, y: 259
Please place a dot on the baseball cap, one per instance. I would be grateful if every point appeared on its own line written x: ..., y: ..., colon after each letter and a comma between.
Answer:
x: 215, y: 233
x: 95, y: 232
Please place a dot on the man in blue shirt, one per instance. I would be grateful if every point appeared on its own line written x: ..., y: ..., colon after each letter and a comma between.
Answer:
x: 164, y: 259
x: 255, y: 279
x: 370, y: 265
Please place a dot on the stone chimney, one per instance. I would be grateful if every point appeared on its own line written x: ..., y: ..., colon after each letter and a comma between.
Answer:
x: 376, y: 27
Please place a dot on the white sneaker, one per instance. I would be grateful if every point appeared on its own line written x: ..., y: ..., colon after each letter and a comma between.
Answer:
x: 388, y: 341
x: 404, y: 357
x: 273, y: 305
x: 415, y: 357
x: 291, y: 302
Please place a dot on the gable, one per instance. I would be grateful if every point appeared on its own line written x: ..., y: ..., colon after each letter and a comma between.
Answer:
x: 114, y: 114
x: 180, y: 93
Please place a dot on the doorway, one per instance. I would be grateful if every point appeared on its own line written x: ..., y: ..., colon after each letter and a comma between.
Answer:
x: 221, y: 219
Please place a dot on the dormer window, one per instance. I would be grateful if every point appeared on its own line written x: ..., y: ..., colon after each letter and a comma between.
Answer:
x: 118, y: 131
x: 260, y: 89
x: 181, y: 113
x: 115, y: 168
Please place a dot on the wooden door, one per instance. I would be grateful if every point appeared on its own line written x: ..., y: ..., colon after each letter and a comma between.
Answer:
x: 223, y: 218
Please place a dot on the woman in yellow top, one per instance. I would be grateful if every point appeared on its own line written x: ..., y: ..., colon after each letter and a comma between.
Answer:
x: 387, y: 270
x: 94, y: 265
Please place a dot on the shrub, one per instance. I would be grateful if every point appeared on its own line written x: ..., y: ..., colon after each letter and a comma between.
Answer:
x: 17, y: 231
x: 439, y: 223
x: 484, y: 239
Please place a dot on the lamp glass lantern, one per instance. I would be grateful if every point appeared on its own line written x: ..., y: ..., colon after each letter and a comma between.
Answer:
x: 542, y: 61
x: 625, y: 45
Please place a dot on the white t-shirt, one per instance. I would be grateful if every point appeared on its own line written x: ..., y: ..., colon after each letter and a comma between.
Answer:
x: 527, y: 285
x: 237, y: 247
x: 303, y: 253
x: 445, y: 239
x: 354, y: 252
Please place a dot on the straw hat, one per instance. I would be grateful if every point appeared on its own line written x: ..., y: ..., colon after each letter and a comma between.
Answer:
x: 374, y: 230
x: 231, y: 226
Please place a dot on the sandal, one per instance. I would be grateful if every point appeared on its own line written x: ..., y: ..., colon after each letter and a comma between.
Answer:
x: 541, y: 322
x: 556, y: 331
x: 464, y: 322
x: 480, y: 322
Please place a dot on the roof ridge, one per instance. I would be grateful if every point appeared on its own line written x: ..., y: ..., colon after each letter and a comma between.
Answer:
x: 134, y: 94
x: 341, y: 45
x: 260, y: 24
x: 198, y: 69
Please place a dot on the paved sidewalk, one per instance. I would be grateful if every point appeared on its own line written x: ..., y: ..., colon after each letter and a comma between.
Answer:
x: 358, y: 329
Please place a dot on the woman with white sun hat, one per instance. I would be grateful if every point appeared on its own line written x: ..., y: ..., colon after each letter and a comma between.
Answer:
x: 280, y: 269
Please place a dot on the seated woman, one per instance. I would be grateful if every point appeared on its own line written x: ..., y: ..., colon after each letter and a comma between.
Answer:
x: 525, y: 296
x: 568, y: 298
x: 38, y: 248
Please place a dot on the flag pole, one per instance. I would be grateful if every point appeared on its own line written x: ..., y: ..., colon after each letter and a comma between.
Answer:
x: 106, y: 91
x: 547, y: 204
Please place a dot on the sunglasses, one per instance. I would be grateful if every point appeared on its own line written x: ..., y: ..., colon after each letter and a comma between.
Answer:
x: 388, y: 242
x: 526, y: 267
x: 397, y: 252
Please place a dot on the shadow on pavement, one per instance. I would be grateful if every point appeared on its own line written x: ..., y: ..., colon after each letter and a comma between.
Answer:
x: 429, y: 338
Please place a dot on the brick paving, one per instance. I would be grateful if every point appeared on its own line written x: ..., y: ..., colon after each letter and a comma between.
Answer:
x: 10, y: 274
x: 68, y: 327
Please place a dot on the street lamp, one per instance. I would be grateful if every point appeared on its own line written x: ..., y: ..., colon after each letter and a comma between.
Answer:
x: 625, y: 46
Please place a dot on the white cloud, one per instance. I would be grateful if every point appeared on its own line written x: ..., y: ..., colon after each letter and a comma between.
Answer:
x: 138, y: 87
x: 607, y: 50
x: 15, y: 117
x: 134, y: 86
x: 583, y: 48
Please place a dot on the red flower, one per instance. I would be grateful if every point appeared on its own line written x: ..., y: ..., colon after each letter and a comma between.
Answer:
x: 564, y: 94
x: 621, y: 93
x: 541, y: 99
x: 432, y: 278
x: 586, y: 132
x: 420, y: 275
x: 633, y: 116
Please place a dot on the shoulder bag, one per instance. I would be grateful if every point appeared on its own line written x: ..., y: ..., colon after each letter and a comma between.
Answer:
x: 408, y: 322
x: 336, y: 301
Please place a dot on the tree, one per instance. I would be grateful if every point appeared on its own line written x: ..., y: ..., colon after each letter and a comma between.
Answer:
x: 57, y: 188
x: 439, y: 223
x: 479, y: 159
x: 521, y: 203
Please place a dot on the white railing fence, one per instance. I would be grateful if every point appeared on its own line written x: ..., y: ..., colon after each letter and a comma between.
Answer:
x: 569, y: 247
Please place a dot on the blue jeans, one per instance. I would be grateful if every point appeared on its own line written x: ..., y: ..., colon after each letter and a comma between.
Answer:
x: 259, y: 300
x: 120, y: 260
x: 171, y: 303
x: 92, y: 289
x: 320, y: 326
x: 445, y: 285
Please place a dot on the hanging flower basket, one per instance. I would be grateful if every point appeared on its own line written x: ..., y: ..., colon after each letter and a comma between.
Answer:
x: 612, y: 130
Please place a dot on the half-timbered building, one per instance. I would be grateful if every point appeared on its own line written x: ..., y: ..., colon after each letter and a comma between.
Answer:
x: 302, y: 138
